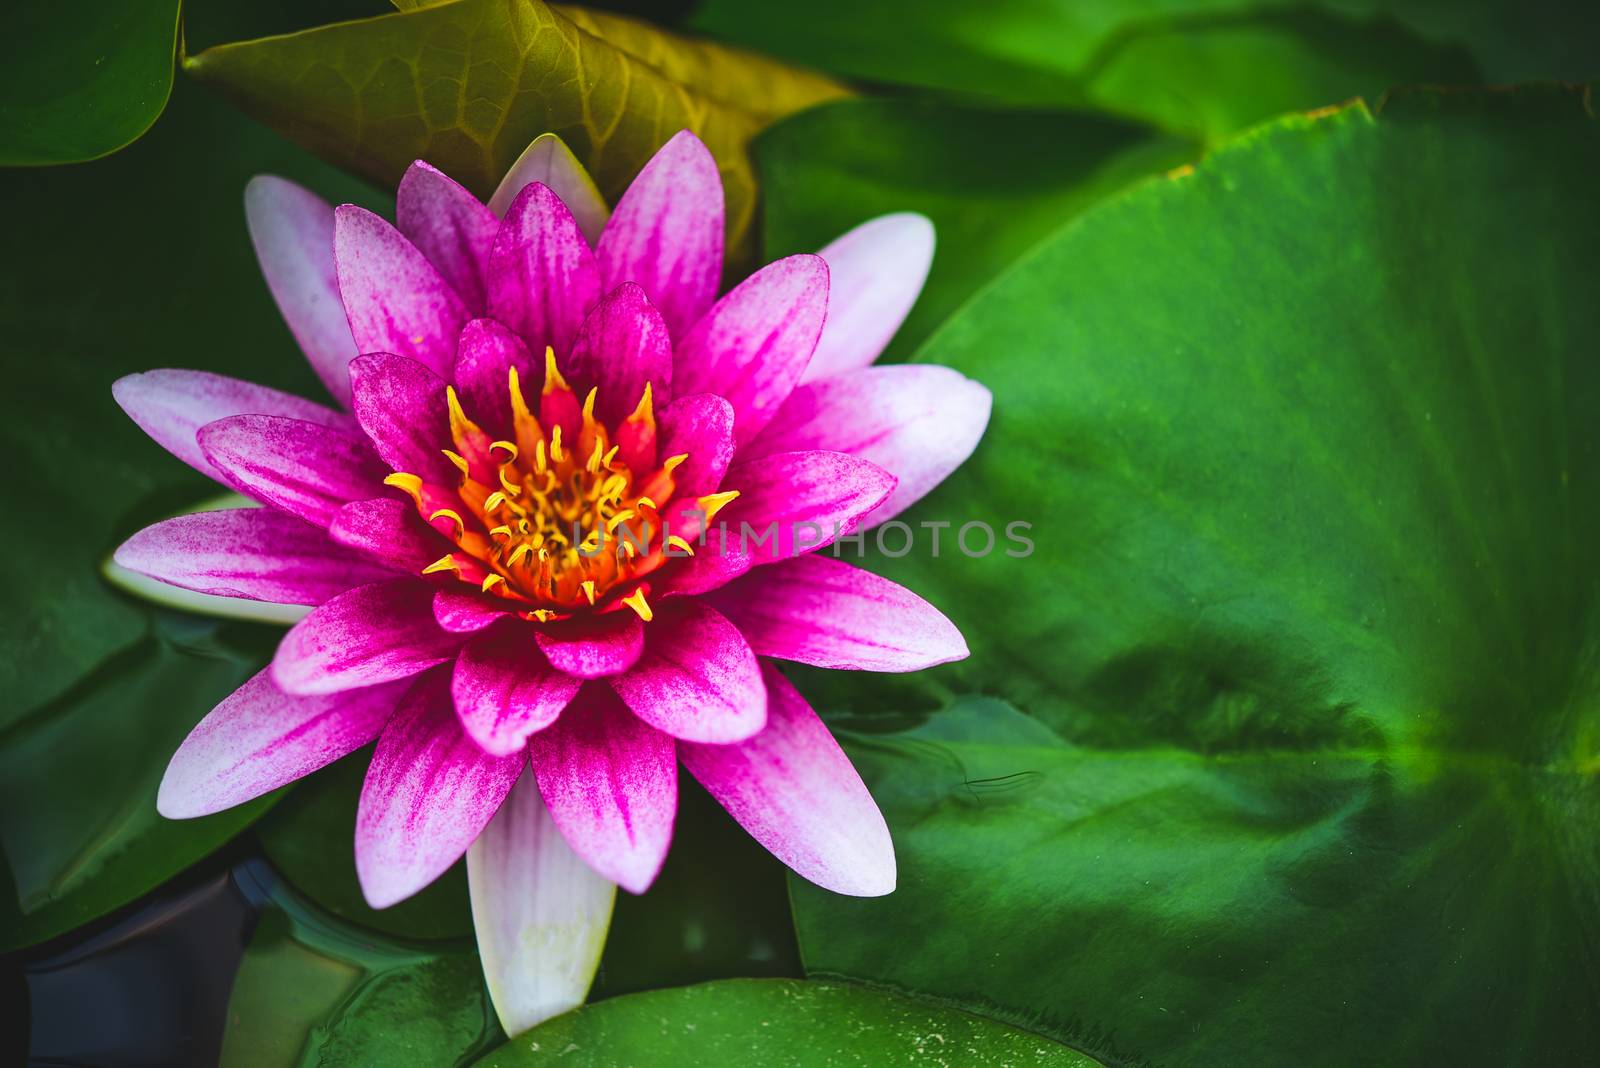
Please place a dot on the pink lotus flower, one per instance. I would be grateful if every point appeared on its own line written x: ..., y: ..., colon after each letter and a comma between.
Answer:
x: 524, y: 380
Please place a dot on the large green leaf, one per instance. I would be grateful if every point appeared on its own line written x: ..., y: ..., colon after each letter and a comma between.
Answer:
x: 82, y: 78
x: 784, y: 1023
x: 1311, y: 774
x: 467, y: 84
x: 993, y: 182
x: 1201, y: 66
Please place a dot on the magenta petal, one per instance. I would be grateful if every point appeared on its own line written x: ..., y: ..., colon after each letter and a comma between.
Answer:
x: 504, y: 690
x: 369, y: 635
x: 612, y: 786
x: 794, y: 790
x: 789, y: 503
x: 402, y: 407
x: 542, y: 275
x: 875, y: 273
x: 390, y: 531
x: 171, y: 406
x: 700, y: 426
x: 450, y: 227
x: 485, y: 356
x: 465, y: 612
x: 753, y: 346
x: 666, y: 233
x: 305, y: 469
x: 916, y: 421
x: 397, y: 302
x: 824, y: 612
x: 292, y: 230
x: 259, y: 738
x: 697, y: 679
x: 548, y: 160
x: 428, y: 792
x: 622, y: 346
x: 253, y: 553
x: 592, y: 647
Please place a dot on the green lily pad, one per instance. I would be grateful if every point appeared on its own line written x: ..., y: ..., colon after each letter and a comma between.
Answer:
x: 994, y: 182
x: 785, y: 1023
x: 1310, y: 767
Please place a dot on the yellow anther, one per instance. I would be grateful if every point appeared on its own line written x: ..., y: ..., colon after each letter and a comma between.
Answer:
x: 588, y: 405
x: 645, y: 502
x: 672, y: 462
x: 642, y: 412
x: 588, y: 590
x: 611, y: 454
x: 713, y: 503
x: 555, y: 445
x: 518, y: 553
x: 457, y: 459
x: 493, y: 501
x: 593, y: 466
x: 637, y: 602
x: 620, y: 518
x: 501, y: 530
x: 539, y: 463
x: 676, y: 542
x: 454, y: 517
x: 511, y: 488
x: 510, y: 447
x: 552, y: 377
x: 444, y: 563
x: 410, y: 484
x: 460, y: 425
x: 491, y: 581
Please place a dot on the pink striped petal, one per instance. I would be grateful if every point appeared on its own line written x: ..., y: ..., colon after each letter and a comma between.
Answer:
x: 305, y: 469
x: 529, y: 888
x: 253, y: 553
x: 592, y: 647
x: 402, y: 407
x: 171, y: 406
x: 260, y: 738
x: 697, y: 679
x: 876, y: 272
x: 550, y: 161
x: 467, y: 613
x: 701, y: 426
x: 292, y: 230
x: 484, y: 358
x: 448, y: 225
x: 397, y: 302
x: 789, y: 503
x: 369, y: 635
x: 390, y: 531
x: 794, y: 790
x: 542, y: 275
x: 429, y: 791
x: 919, y: 422
x: 666, y: 233
x: 824, y: 612
x: 504, y: 690
x: 752, y: 347
x: 623, y: 345
x: 612, y: 786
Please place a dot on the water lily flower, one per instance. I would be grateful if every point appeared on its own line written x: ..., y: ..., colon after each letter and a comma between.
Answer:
x: 505, y: 532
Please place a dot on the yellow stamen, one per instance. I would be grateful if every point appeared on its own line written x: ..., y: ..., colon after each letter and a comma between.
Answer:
x: 588, y: 406
x: 713, y: 503
x: 617, y: 520
x: 539, y: 463
x: 543, y: 615
x: 457, y: 459
x: 491, y: 581
x: 410, y: 484
x: 555, y: 445
x: 552, y: 377
x: 672, y: 462
x: 511, y: 488
x: 502, y: 529
x: 444, y: 563
x: 518, y: 553
x: 637, y: 602
x: 588, y: 590
x: 460, y: 426
x: 611, y: 454
x: 645, y: 502
x: 493, y: 501
x: 642, y: 412
x: 454, y: 517
x: 676, y: 542
x: 510, y: 447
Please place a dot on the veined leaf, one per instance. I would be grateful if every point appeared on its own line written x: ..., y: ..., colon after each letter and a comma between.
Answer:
x: 467, y: 84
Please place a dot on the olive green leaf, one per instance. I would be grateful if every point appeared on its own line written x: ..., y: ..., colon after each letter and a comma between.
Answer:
x: 1309, y: 439
x: 467, y: 85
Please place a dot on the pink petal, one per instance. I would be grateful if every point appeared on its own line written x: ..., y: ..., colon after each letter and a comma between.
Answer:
x: 292, y: 230
x: 550, y: 161
x: 390, y: 531
x: 697, y: 679
x: 623, y: 344
x: 789, y: 503
x: 876, y: 272
x: 171, y: 406
x: 369, y: 635
x: 504, y: 690
x: 793, y: 789
x: 467, y: 613
x: 916, y: 421
x: 484, y: 358
x: 612, y: 786
x: 397, y: 302
x: 253, y: 553
x: 259, y: 738
x: 752, y: 347
x: 450, y: 227
x: 402, y: 407
x: 429, y: 791
x: 530, y: 889
x: 824, y: 612
x: 701, y: 426
x: 666, y: 233
x: 303, y: 468
x: 542, y: 275
x: 592, y: 647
